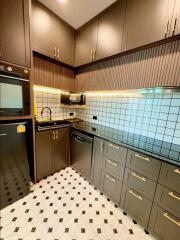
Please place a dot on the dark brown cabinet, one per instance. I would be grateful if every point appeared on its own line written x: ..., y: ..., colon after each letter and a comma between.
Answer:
x: 51, y: 35
x: 61, y: 149
x: 86, y: 40
x: 146, y: 22
x: 44, y: 153
x: 52, y: 151
x: 110, y: 31
x: 15, y: 32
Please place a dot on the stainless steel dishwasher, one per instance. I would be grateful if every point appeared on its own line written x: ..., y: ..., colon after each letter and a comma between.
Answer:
x: 81, y: 152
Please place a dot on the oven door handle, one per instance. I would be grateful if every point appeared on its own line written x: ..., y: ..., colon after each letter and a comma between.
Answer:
x: 15, y: 78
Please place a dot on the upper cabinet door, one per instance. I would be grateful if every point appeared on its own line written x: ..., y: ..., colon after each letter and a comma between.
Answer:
x: 176, y: 18
x: 65, y: 42
x: 110, y: 31
x: 44, y: 30
x: 86, y: 40
x: 15, y: 32
x: 146, y: 22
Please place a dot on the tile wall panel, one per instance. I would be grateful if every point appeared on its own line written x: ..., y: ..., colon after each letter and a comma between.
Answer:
x: 154, y: 113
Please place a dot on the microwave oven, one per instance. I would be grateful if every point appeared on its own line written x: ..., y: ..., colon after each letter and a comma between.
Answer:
x: 73, y: 98
x: 14, y: 91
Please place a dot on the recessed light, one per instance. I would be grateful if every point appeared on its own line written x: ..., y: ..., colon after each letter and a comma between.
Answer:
x: 62, y: 0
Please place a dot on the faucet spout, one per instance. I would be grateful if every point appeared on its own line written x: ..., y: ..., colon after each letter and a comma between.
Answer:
x: 50, y: 112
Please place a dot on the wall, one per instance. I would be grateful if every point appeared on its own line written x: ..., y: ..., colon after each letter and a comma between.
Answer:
x: 157, y: 66
x: 44, y: 98
x: 150, y: 112
x: 47, y: 72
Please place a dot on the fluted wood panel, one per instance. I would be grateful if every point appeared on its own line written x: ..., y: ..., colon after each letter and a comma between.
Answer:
x: 51, y: 74
x: 157, y: 66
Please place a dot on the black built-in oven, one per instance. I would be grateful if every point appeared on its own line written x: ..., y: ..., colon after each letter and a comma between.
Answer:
x: 14, y: 90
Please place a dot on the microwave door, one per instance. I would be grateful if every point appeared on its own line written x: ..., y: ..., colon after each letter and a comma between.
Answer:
x: 14, y: 96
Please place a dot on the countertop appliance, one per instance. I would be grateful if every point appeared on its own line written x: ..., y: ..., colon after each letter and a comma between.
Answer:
x: 81, y: 152
x: 14, y: 167
x: 73, y: 98
x: 14, y: 91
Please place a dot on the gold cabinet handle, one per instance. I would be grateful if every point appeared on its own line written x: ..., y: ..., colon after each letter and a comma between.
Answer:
x: 94, y: 54
x: 54, y: 135
x: 141, y: 157
x: 134, y: 194
x: 113, y: 146
x: 177, y: 171
x: 58, y: 54
x: 174, y: 196
x: 91, y: 55
x: 2, y: 134
x: 171, y: 219
x: 55, y: 52
x: 57, y: 135
x: 112, y: 179
x: 167, y: 29
x: 112, y: 163
x: 139, y: 177
x: 174, y: 26
x: 102, y: 146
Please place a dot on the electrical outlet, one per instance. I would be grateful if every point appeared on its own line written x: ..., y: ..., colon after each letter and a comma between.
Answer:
x: 95, y: 117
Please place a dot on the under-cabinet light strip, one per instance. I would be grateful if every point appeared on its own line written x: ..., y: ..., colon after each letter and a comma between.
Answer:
x: 46, y: 89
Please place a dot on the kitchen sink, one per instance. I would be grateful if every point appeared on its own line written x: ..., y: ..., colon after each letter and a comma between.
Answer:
x: 43, y: 125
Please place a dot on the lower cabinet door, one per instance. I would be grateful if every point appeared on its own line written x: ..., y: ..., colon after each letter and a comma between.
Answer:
x: 61, y: 149
x: 114, y: 168
x: 44, y: 154
x: 111, y: 187
x: 136, y: 205
x: 168, y: 199
x: 163, y: 225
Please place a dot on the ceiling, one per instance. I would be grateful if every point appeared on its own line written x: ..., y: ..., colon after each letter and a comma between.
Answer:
x: 77, y: 12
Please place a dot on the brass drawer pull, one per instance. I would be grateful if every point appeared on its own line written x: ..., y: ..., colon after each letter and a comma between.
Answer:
x: 2, y: 134
x: 171, y: 219
x: 91, y: 55
x: 141, y: 178
x: 113, y: 146
x: 134, y: 194
x: 177, y: 171
x: 112, y: 163
x: 174, y: 26
x: 112, y: 179
x: 57, y: 135
x: 54, y: 135
x: 58, y: 55
x: 167, y: 29
x: 173, y: 195
x: 141, y: 157
x: 55, y: 52
x: 102, y: 146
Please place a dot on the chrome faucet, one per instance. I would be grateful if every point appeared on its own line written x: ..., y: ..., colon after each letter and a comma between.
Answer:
x: 50, y: 112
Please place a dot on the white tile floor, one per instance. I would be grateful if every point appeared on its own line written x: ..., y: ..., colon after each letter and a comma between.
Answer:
x: 66, y: 207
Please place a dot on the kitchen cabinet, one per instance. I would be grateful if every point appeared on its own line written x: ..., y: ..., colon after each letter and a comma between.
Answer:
x: 146, y: 22
x: 110, y: 31
x: 61, y: 149
x: 52, y: 37
x: 43, y: 30
x: 176, y: 18
x: 52, y: 151
x: 86, y: 40
x: 44, y: 153
x: 97, y: 161
x: 15, y: 32
x: 163, y: 225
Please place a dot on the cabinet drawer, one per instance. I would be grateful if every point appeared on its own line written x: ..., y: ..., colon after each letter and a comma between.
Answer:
x: 170, y: 177
x: 143, y: 164
x: 168, y: 200
x: 115, y: 152
x: 111, y: 187
x: 164, y: 225
x: 136, y: 205
x: 114, y: 168
x: 141, y: 184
